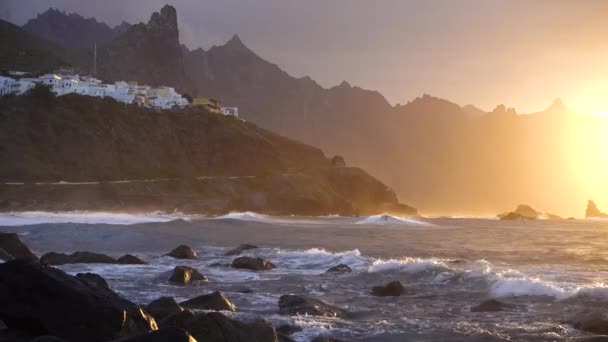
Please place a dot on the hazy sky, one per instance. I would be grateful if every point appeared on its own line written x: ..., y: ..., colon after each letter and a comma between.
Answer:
x: 521, y: 53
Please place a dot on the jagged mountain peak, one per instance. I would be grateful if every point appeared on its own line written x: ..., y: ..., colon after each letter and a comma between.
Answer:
x: 165, y: 19
x: 558, y: 106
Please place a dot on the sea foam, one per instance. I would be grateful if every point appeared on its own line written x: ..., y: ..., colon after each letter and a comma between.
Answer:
x: 84, y: 217
x: 385, y: 219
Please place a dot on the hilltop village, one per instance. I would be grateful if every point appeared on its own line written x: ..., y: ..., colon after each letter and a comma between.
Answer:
x: 64, y: 82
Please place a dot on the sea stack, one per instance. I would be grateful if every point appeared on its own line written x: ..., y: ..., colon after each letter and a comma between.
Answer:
x: 593, y: 211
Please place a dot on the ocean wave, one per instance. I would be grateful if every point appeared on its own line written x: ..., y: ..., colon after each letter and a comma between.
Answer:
x: 86, y: 217
x: 385, y: 219
x: 318, y: 259
x: 243, y: 216
x: 408, y: 265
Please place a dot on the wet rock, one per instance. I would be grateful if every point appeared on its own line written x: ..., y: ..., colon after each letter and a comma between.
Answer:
x: 5, y: 256
x: 163, y: 335
x: 298, y: 305
x: 595, y: 323
x: 182, y: 252
x: 392, y: 289
x: 342, y: 268
x: 40, y: 299
x: 93, y: 279
x: 215, y: 327
x: 284, y: 338
x: 184, y: 275
x: 492, y: 305
x: 212, y: 301
x: 163, y: 307
x: 254, y: 264
x: 76, y: 258
x: 12, y: 245
x: 323, y: 338
x: 288, y: 329
x: 240, y: 249
x: 129, y: 259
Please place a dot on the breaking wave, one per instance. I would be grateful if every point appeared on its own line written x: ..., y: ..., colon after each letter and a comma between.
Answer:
x: 84, y: 217
x: 408, y: 265
x: 385, y: 219
x: 243, y: 216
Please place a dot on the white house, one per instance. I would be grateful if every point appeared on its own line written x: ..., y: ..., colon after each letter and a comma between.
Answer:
x: 17, y: 87
x: 230, y: 111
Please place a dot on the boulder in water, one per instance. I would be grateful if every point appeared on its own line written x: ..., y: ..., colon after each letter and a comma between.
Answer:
x: 163, y: 307
x: 323, y: 338
x: 298, y: 305
x: 42, y: 300
x: 240, y: 249
x: 592, y: 211
x: 129, y: 259
x: 170, y: 334
x: 513, y: 217
x: 76, y: 258
x: 182, y: 252
x: 288, y: 329
x: 93, y: 279
x: 12, y: 244
x: 254, y: 264
x: 595, y: 323
x: 213, y: 301
x: 184, y: 275
x: 521, y: 212
x: 342, y: 268
x: 492, y: 305
x: 392, y: 289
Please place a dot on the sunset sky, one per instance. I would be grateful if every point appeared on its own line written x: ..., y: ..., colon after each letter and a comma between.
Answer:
x: 520, y: 53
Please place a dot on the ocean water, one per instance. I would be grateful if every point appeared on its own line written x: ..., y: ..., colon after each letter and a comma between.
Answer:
x: 551, y: 271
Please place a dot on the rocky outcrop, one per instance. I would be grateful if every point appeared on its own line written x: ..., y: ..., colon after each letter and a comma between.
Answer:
x: 298, y: 305
x: 129, y: 259
x: 53, y: 258
x: 215, y: 327
x: 323, y: 338
x: 214, y: 301
x: 513, y: 217
x: 254, y: 264
x: 338, y: 269
x: 492, y: 305
x: 163, y: 335
x: 184, y: 275
x: 522, y: 212
x: 593, y: 212
x: 12, y: 245
x: 30, y: 292
x: 163, y: 307
x: 595, y: 323
x: 392, y: 289
x: 182, y: 252
x: 93, y: 280
x: 240, y: 249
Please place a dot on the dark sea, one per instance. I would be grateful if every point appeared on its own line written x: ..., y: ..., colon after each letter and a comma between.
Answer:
x: 551, y: 272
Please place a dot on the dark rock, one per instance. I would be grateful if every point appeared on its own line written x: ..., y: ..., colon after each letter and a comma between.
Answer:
x: 298, y: 305
x: 163, y: 307
x: 527, y: 211
x: 170, y: 334
x: 255, y: 264
x: 76, y: 258
x: 212, y: 301
x: 595, y: 323
x: 513, y: 216
x: 11, y: 243
x: 184, y: 275
x: 182, y: 252
x: 288, y: 329
x: 215, y: 327
x: 492, y: 305
x: 93, y: 279
x: 284, y: 338
x: 240, y: 249
x: 39, y: 299
x: 342, y: 268
x: 5, y: 256
x: 48, y: 339
x: 392, y: 289
x: 591, y: 212
x: 129, y: 259
x: 178, y: 319
x: 323, y: 338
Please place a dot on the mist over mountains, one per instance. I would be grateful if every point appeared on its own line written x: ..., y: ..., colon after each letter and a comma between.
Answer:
x: 439, y: 156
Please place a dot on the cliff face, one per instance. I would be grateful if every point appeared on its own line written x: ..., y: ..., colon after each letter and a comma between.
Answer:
x: 117, y: 156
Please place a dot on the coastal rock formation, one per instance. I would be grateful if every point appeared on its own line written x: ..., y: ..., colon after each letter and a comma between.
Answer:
x: 595, y: 323
x: 342, y: 268
x: 323, y: 338
x: 53, y: 258
x: 177, y: 319
x: 593, y: 211
x: 182, y: 252
x: 163, y: 335
x: 163, y: 307
x: 30, y: 292
x: 184, y: 275
x: 522, y: 212
x: 12, y: 245
x: 254, y: 264
x: 492, y: 305
x: 392, y: 289
x: 240, y: 249
x: 94, y: 280
x: 129, y: 259
x: 214, y: 301
x: 512, y: 217
x: 298, y: 305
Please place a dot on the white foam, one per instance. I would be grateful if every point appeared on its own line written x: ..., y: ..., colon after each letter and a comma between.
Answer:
x: 243, y: 216
x: 409, y: 265
x: 85, y: 217
x: 385, y: 219
x: 317, y: 260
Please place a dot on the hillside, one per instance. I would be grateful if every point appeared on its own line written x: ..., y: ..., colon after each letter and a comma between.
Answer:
x: 123, y: 156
